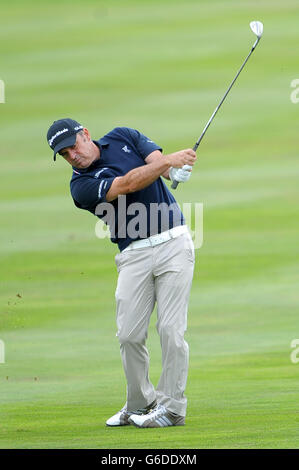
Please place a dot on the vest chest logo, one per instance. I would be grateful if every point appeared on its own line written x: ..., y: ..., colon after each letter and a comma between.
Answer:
x: 125, y: 149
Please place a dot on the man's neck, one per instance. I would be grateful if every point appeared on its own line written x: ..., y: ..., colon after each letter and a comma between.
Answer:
x: 97, y: 153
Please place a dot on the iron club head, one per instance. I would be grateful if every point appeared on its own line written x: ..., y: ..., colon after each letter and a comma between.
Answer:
x: 257, y: 28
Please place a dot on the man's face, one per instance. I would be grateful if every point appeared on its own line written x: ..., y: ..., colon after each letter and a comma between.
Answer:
x: 83, y: 153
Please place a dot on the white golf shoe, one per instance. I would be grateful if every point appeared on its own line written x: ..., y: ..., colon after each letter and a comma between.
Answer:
x: 122, y: 417
x: 159, y: 417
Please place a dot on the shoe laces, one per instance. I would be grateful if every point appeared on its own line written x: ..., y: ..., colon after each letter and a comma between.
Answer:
x: 156, y: 412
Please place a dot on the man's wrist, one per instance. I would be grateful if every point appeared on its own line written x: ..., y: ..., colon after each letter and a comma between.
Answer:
x: 168, y: 160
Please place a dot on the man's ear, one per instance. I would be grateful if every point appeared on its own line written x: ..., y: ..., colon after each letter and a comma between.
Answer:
x: 86, y: 133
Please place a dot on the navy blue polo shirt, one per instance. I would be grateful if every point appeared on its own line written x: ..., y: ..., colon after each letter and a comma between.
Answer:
x: 132, y: 216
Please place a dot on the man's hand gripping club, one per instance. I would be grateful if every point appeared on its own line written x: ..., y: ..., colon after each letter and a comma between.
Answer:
x: 182, y: 163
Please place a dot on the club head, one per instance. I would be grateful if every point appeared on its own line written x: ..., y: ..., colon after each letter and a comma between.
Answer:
x: 257, y: 28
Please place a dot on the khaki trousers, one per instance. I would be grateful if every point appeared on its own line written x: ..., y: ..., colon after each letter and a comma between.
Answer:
x: 161, y: 274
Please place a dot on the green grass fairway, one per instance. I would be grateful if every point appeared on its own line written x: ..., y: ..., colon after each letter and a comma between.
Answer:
x: 159, y: 66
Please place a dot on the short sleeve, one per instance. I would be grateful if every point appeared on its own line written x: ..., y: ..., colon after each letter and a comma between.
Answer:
x: 143, y: 144
x: 87, y: 192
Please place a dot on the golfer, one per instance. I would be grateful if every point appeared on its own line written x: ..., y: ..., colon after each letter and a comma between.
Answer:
x: 114, y: 178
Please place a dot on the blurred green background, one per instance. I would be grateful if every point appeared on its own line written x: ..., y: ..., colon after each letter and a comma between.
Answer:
x: 159, y: 66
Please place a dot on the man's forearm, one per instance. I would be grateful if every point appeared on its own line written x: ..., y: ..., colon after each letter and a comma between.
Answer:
x: 156, y: 165
x: 143, y: 176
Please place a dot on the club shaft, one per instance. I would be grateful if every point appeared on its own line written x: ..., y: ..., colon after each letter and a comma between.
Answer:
x: 175, y: 183
x: 225, y: 95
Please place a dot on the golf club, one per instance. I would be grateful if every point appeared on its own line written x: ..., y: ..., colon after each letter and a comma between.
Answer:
x: 257, y: 28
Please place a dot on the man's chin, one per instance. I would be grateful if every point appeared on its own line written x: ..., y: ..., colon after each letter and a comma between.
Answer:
x: 82, y: 166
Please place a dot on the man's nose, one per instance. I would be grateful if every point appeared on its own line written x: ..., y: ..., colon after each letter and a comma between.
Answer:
x: 72, y: 154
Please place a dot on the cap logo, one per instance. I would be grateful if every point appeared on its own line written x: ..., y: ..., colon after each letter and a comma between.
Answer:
x: 77, y: 128
x: 56, y: 135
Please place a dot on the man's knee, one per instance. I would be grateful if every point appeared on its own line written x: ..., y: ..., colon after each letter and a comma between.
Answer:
x: 131, y: 337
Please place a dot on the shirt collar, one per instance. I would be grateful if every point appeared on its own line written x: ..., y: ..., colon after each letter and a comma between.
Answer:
x: 103, y: 142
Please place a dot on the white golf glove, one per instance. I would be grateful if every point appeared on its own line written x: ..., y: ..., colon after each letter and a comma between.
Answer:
x: 181, y: 175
